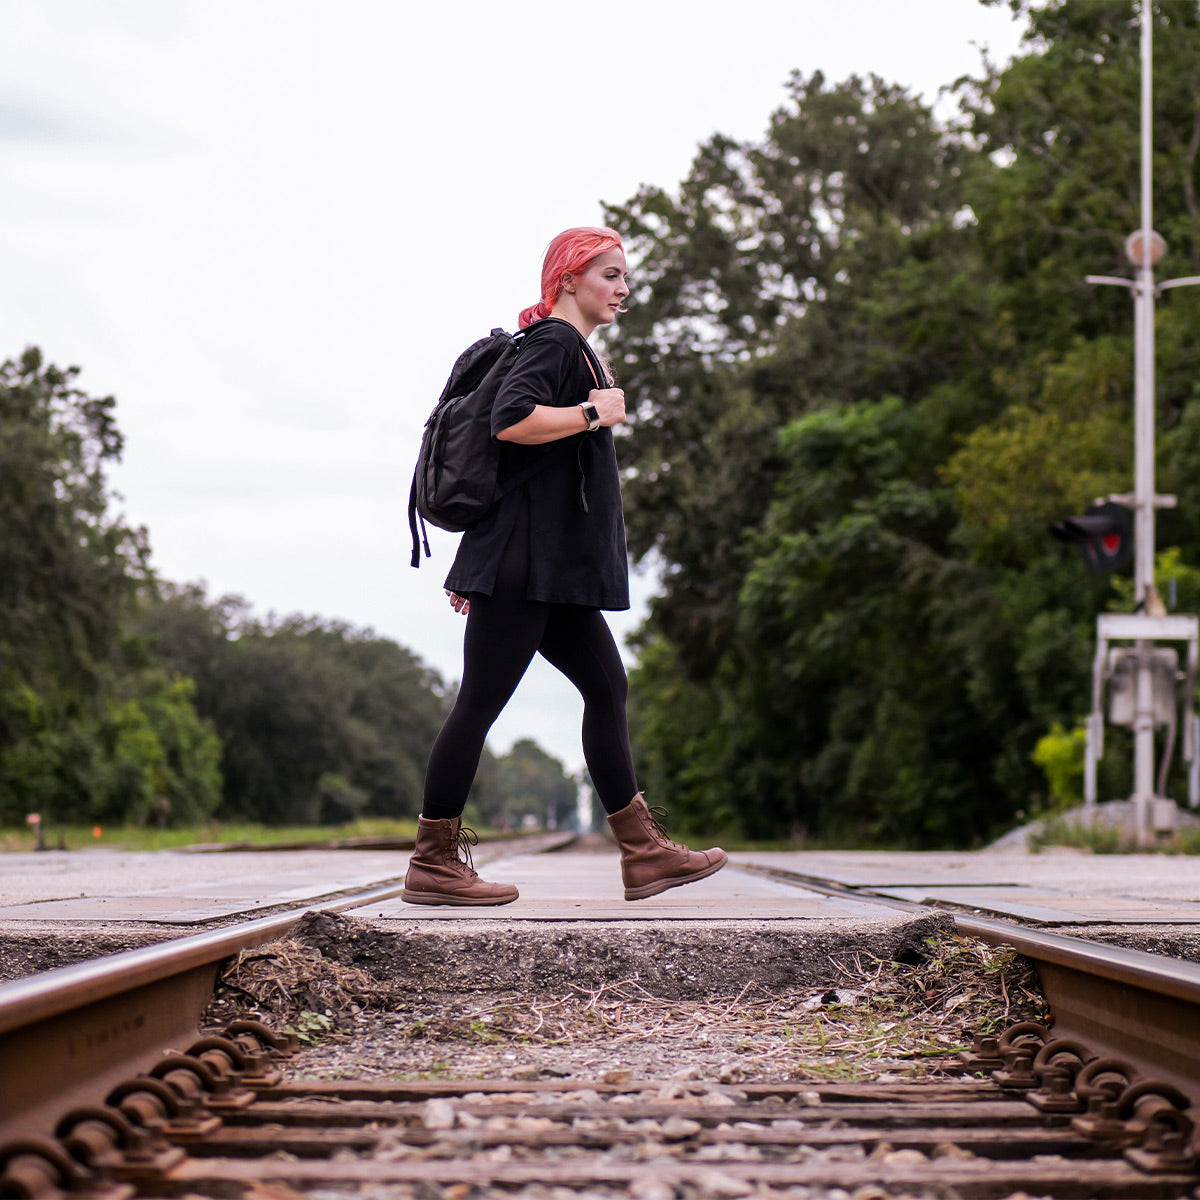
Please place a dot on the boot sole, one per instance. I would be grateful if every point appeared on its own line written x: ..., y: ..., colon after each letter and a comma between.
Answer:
x: 662, y: 885
x: 457, y: 901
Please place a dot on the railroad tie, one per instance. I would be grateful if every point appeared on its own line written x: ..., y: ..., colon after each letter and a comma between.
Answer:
x: 1027, y: 1113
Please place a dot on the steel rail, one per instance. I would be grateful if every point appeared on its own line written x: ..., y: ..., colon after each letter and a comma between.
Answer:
x: 1125, y: 1003
x: 830, y: 887
x: 75, y: 1032
x: 1143, y: 1008
x: 78, y: 1030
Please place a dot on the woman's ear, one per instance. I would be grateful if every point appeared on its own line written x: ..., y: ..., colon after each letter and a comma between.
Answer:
x: 568, y: 283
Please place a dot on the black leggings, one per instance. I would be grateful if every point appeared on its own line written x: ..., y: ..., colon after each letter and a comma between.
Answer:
x: 504, y: 632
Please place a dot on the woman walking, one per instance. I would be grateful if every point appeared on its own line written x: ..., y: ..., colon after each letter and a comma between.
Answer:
x: 534, y: 576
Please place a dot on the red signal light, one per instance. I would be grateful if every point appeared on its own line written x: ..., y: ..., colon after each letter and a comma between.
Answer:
x: 1103, y: 535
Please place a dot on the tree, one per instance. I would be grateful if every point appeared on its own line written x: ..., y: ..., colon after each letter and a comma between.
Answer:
x: 531, y: 787
x: 68, y: 569
x: 159, y: 762
x: 320, y: 722
x: 88, y: 729
x: 858, y: 190
x: 743, y: 313
x: 125, y: 698
x: 867, y: 373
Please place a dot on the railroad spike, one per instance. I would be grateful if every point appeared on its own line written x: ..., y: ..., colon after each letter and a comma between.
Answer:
x: 244, y: 1065
x: 1058, y: 1065
x: 1017, y: 1073
x: 1101, y: 1122
x: 984, y: 1054
x: 1019, y: 1044
x: 104, y: 1136
x: 1056, y: 1096
x: 200, y: 1078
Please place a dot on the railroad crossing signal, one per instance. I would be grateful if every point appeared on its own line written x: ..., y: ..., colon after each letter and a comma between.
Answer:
x: 1103, y: 534
x: 1153, y: 813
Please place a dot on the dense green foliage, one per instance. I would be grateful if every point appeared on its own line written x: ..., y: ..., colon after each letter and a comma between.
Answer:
x: 867, y: 371
x: 324, y: 723
x: 532, y: 790
x: 91, y: 728
x: 319, y: 722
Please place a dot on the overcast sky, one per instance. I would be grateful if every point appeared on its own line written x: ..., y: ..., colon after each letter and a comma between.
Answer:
x: 269, y: 226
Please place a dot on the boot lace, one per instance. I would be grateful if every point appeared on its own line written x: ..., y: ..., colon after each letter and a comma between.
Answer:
x: 658, y: 815
x: 460, y: 848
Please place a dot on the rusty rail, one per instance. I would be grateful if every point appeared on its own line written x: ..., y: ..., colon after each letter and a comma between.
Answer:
x: 92, y: 1024
x: 1143, y: 1008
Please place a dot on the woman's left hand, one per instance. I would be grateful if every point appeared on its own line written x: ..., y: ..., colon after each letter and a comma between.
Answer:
x: 460, y: 604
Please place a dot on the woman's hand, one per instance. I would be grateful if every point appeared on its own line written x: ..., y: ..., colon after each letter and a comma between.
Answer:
x: 460, y: 604
x: 610, y: 404
x: 549, y: 422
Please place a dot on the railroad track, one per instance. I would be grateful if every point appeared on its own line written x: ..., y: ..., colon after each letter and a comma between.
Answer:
x: 107, y: 1091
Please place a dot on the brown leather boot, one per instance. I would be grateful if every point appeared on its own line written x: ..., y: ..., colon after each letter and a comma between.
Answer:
x: 439, y: 874
x: 650, y: 861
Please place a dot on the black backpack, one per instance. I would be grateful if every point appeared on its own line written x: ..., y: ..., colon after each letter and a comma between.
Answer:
x: 455, y: 481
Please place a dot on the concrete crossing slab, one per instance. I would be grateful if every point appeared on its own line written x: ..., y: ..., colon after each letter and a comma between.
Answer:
x: 176, y: 889
x: 1156, y: 877
x: 587, y: 887
x: 1052, y: 908
x: 173, y: 888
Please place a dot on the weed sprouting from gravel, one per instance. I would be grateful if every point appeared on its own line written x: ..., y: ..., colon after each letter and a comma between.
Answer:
x: 291, y: 982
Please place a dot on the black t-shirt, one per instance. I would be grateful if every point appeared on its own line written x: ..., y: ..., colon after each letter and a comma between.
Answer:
x: 577, y: 549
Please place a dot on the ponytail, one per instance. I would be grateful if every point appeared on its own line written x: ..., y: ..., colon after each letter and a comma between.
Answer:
x: 535, y: 312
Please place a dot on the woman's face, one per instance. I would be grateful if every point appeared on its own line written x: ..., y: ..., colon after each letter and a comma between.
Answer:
x: 600, y: 287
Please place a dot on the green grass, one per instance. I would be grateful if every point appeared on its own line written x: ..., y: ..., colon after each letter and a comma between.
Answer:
x: 1107, y: 839
x: 136, y: 837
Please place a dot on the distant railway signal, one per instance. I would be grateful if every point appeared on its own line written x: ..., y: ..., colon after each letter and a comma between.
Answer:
x: 1104, y: 535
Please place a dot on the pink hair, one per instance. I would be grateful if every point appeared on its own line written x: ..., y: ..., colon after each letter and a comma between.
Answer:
x: 568, y: 254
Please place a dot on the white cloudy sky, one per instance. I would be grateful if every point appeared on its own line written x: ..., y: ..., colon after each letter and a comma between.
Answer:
x: 268, y: 227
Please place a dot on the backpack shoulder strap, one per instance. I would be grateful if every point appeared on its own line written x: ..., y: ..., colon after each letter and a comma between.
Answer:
x: 589, y: 355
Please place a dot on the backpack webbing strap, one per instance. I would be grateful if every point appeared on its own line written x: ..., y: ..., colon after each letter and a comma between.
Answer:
x: 413, y: 518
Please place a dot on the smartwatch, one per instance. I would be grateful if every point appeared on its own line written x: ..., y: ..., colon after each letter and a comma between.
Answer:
x: 591, y: 416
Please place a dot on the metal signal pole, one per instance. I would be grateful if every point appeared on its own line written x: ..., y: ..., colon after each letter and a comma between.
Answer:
x: 1144, y: 248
